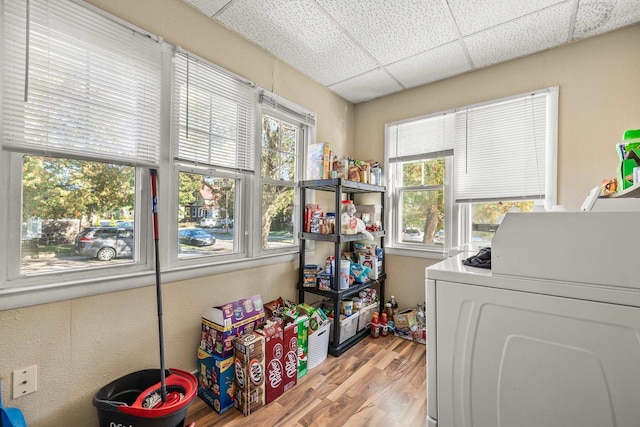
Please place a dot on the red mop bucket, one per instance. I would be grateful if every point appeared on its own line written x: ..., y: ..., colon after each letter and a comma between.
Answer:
x: 122, y: 402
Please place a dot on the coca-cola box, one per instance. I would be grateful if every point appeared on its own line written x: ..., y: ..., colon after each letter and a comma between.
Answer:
x: 290, y: 361
x: 274, y: 357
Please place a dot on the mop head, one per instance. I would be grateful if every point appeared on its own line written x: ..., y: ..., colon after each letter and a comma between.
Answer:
x: 174, y: 394
x: 181, y: 389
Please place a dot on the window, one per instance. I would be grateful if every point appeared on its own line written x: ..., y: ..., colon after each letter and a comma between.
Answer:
x: 80, y: 125
x: 452, y: 175
x: 82, y: 96
x: 285, y: 130
x: 214, y: 122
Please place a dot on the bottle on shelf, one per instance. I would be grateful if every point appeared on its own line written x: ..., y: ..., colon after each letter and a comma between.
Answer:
x: 394, y: 307
x: 375, y: 326
x: 384, y: 325
x: 348, y: 223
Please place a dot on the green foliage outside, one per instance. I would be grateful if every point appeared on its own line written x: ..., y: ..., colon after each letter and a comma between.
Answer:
x: 56, y: 188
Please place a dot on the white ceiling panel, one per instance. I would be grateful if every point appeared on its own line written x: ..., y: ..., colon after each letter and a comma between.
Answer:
x: 532, y: 33
x: 363, y: 49
x: 393, y: 30
x: 430, y: 66
x: 367, y: 86
x: 208, y: 7
x: 298, y: 33
x: 597, y: 17
x: 473, y: 16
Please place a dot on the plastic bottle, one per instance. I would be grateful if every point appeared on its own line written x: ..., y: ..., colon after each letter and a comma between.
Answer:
x: 384, y: 325
x: 375, y: 326
x: 394, y: 307
x: 420, y: 317
x: 388, y: 310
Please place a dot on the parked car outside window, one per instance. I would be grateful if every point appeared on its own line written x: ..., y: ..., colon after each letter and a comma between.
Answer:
x: 209, y: 223
x: 105, y: 243
x: 195, y: 237
x: 413, y: 235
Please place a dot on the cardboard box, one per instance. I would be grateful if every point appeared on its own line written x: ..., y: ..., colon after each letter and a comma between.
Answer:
x: 249, y: 372
x: 221, y: 325
x: 405, y: 319
x: 216, y: 380
x: 371, y: 261
x: 290, y: 360
x: 318, y: 161
x: 317, y: 317
x: 303, y: 344
x: 274, y: 357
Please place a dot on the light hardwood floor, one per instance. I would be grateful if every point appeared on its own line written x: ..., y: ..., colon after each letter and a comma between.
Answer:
x: 378, y: 382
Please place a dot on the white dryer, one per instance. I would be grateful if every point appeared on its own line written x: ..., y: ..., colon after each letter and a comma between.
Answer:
x: 550, y: 336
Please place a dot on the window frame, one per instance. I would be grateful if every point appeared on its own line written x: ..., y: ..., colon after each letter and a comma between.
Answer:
x: 279, y: 108
x: 458, y: 214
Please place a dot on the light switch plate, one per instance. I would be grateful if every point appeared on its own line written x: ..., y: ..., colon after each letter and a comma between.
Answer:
x: 25, y: 381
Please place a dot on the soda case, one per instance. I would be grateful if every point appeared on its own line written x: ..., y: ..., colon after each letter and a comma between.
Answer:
x: 274, y: 358
x: 249, y: 372
x: 215, y: 380
x: 290, y: 361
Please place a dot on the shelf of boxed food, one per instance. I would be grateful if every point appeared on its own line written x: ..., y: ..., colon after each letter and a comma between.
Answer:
x: 342, y: 293
x: 339, y: 238
x: 346, y: 186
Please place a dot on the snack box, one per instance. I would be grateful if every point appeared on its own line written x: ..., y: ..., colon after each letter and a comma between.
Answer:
x: 274, y: 359
x: 317, y: 317
x: 290, y: 360
x: 371, y: 261
x: 303, y: 344
x: 215, y: 380
x: 249, y: 372
x: 221, y: 325
x: 405, y: 319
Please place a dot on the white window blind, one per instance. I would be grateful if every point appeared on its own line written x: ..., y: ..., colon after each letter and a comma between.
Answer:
x: 215, y: 113
x: 294, y: 111
x: 502, y: 148
x: 422, y: 138
x: 78, y: 83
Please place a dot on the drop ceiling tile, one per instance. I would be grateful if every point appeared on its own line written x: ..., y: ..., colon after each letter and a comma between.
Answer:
x: 435, y: 64
x: 393, y: 30
x: 477, y: 15
x: 299, y: 34
x: 597, y: 17
x: 370, y: 85
x: 532, y: 33
x: 208, y: 7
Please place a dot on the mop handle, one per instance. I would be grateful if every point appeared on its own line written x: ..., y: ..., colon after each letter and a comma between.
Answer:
x: 154, y: 211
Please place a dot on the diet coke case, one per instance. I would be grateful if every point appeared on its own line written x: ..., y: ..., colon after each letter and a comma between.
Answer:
x: 274, y: 357
x: 290, y: 362
x: 249, y: 370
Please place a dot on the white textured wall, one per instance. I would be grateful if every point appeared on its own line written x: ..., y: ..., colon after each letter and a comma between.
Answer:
x: 599, y: 82
x: 82, y: 344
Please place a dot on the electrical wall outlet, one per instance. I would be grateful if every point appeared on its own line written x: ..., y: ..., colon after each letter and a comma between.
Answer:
x: 25, y: 381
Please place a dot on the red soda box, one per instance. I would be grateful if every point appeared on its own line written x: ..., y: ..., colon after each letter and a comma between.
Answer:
x: 290, y: 362
x: 274, y: 356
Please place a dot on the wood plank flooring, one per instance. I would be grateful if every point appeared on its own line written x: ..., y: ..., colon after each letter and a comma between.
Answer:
x: 378, y: 382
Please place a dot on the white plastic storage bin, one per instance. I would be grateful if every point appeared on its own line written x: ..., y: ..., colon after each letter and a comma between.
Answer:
x: 318, y: 346
x: 366, y: 313
x: 348, y: 328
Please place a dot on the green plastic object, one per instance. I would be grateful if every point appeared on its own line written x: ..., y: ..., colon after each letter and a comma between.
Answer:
x: 631, y: 134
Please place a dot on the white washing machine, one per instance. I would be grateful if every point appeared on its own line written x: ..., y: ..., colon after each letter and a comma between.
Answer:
x: 549, y: 337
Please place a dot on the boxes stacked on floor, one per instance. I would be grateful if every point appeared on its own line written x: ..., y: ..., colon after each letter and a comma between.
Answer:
x: 249, y: 372
x: 221, y: 325
x: 216, y: 380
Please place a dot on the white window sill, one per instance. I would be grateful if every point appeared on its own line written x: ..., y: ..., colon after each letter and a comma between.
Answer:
x: 16, y: 297
x: 416, y: 253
